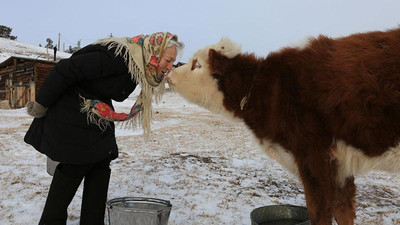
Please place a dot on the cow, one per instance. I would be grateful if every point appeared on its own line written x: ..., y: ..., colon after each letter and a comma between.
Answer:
x: 327, y: 110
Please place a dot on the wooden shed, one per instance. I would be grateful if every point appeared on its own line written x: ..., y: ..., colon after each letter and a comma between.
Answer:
x: 20, y: 79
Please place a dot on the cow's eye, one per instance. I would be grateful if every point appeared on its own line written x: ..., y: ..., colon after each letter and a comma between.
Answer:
x: 195, y: 64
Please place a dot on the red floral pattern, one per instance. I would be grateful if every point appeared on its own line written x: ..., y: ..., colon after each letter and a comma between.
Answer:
x: 106, y: 112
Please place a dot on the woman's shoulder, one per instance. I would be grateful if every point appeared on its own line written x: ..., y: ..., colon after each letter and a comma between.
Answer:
x: 102, y: 49
x: 93, y: 48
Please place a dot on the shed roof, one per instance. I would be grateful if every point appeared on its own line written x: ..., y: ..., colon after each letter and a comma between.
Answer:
x: 10, y: 60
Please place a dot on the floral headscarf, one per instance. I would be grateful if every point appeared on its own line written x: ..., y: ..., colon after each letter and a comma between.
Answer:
x: 153, y: 48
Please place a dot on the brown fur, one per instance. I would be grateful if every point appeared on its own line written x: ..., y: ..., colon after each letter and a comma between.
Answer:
x: 305, y: 99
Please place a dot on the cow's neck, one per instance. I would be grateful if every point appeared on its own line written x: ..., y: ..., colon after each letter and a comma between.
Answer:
x: 243, y: 102
x: 237, y: 83
x: 267, y: 93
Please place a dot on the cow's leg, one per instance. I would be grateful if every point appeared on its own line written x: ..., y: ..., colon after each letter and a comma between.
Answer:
x: 318, y: 174
x: 345, y: 211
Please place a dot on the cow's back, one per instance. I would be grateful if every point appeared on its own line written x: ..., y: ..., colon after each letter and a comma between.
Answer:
x: 354, y: 83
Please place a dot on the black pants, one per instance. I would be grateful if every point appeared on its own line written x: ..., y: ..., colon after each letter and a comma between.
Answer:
x: 66, y: 180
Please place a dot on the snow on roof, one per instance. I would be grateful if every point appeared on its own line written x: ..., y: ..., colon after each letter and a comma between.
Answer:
x: 10, y: 48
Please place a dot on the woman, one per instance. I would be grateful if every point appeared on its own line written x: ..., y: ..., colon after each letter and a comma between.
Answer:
x: 74, y: 117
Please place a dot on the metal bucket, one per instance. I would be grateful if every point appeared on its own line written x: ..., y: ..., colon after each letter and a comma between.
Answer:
x: 138, y: 211
x: 51, y: 166
x: 280, y: 215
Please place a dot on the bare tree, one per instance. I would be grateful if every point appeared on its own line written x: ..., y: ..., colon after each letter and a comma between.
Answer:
x: 5, y: 32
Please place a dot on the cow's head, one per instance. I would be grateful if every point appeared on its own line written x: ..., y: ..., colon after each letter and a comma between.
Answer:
x: 197, y: 81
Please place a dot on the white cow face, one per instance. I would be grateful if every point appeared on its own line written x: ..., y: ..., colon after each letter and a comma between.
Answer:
x: 194, y: 80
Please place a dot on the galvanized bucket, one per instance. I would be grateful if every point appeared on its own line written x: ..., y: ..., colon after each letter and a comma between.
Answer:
x: 280, y: 215
x: 138, y: 211
x: 51, y: 166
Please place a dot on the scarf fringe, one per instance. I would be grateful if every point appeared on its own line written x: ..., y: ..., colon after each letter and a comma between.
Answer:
x: 103, y: 123
x: 92, y: 116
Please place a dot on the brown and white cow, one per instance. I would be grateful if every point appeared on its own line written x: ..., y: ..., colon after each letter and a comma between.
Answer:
x: 327, y: 111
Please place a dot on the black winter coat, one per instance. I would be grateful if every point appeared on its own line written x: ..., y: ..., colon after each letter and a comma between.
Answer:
x: 64, y: 134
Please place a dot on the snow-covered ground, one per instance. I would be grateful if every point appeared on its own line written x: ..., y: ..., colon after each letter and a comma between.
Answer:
x: 208, y: 167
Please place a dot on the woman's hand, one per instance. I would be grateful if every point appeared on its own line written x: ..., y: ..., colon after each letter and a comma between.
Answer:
x: 35, y: 109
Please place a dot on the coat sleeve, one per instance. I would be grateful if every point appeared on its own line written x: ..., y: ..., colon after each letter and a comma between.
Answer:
x: 87, y: 66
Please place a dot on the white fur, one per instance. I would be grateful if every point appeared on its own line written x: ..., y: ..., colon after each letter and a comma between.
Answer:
x: 197, y: 85
x: 227, y: 47
x: 352, y: 161
x: 302, y: 43
x: 281, y: 155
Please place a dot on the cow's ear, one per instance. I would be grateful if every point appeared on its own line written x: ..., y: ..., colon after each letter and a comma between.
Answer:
x: 217, y: 62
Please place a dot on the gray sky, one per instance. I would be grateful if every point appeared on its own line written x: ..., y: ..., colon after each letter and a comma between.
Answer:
x: 260, y: 26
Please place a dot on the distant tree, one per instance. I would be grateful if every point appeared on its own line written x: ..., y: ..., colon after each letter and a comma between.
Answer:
x: 73, y: 49
x: 70, y: 50
x: 40, y: 45
x: 49, y: 43
x: 5, y: 32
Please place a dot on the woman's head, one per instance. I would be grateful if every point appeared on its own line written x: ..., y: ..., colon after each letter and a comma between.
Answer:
x: 160, y: 51
x: 169, y: 56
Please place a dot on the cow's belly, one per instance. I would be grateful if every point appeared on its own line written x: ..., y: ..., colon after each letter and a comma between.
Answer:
x: 351, y: 161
